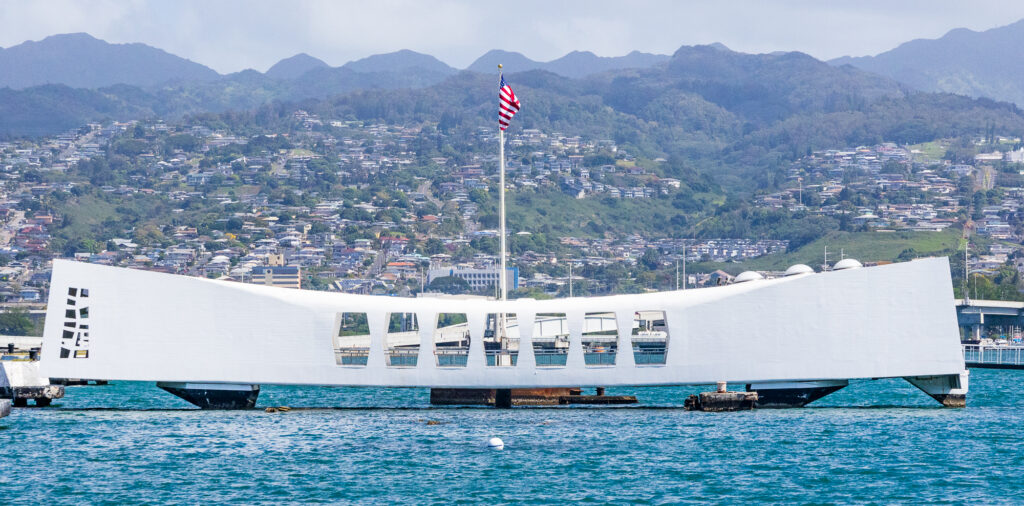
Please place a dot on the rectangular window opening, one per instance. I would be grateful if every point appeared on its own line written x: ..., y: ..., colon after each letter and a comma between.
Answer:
x: 451, y: 340
x: 352, y: 340
x: 501, y: 339
x: 402, y: 340
x: 649, y: 337
x: 600, y: 338
x: 550, y: 339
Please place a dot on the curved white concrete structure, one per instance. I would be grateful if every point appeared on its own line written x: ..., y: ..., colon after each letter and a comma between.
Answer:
x: 895, y: 320
x: 847, y: 263
x: 798, y: 269
x: 745, y: 276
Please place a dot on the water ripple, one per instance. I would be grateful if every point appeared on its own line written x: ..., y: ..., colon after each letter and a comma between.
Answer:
x: 875, y: 441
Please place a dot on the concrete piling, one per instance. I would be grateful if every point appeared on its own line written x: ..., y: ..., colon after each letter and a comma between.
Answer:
x: 949, y: 389
x: 214, y: 395
x: 721, y: 400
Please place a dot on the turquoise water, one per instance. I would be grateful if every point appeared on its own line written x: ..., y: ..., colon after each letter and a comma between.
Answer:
x: 878, y: 441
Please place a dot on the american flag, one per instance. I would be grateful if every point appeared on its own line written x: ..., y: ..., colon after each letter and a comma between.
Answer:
x: 508, y: 104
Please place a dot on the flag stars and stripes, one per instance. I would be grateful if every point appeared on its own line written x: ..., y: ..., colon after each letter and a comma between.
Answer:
x: 508, y: 104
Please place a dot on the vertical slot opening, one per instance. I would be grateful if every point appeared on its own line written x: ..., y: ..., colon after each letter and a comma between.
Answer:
x: 352, y: 340
x: 402, y: 340
x: 501, y: 339
x: 600, y: 338
x: 650, y: 337
x: 451, y: 340
x: 550, y: 339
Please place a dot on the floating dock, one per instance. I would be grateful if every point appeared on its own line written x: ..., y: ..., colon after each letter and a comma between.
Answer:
x: 994, y: 357
x: 504, y: 398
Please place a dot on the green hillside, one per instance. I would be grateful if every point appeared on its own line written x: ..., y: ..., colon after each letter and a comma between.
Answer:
x: 864, y: 246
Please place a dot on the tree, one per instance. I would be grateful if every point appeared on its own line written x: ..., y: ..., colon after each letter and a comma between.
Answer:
x: 234, y: 224
x: 651, y: 259
x: 16, y: 322
x: 433, y: 246
x: 449, y: 284
x: 184, y: 142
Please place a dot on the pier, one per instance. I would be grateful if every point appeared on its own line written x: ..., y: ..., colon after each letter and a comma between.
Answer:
x: 994, y: 357
x: 20, y: 380
x: 992, y: 332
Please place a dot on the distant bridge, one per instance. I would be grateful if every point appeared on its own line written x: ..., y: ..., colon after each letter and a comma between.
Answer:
x: 979, y: 318
x: 996, y: 320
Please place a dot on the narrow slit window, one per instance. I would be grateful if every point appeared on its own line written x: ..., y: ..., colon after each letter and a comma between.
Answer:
x: 600, y: 338
x: 501, y: 339
x: 550, y: 339
x: 451, y: 340
x: 402, y: 340
x: 649, y: 337
x: 352, y: 340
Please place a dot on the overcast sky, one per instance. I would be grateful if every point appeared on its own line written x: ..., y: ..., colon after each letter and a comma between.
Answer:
x: 231, y: 35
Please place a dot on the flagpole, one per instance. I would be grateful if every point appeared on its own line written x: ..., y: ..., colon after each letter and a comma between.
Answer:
x: 501, y: 204
x: 501, y: 333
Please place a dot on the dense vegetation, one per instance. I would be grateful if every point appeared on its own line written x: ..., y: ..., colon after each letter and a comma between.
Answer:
x: 739, y: 118
x: 725, y: 124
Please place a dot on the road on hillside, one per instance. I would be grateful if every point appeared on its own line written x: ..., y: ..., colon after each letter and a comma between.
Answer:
x: 986, y: 177
x: 11, y: 228
x: 424, y: 188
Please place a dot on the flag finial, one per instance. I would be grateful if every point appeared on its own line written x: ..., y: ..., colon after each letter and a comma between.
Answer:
x: 499, y: 65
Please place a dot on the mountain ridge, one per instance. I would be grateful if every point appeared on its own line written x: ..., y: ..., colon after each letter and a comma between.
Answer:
x: 574, y: 64
x: 403, y: 60
x: 80, y: 60
x: 294, y: 66
x: 963, y: 61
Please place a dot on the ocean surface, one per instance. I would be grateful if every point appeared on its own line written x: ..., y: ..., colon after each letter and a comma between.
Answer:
x: 875, y: 441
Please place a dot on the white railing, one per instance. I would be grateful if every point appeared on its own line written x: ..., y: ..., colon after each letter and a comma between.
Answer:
x: 976, y: 354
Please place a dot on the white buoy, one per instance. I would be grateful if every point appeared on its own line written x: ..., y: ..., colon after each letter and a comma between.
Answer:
x: 495, y: 443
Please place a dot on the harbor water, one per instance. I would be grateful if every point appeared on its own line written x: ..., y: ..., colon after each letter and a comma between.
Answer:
x: 875, y: 441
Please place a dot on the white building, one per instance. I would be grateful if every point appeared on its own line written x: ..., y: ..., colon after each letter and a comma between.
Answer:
x: 805, y: 331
